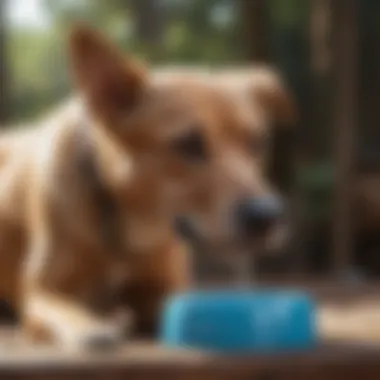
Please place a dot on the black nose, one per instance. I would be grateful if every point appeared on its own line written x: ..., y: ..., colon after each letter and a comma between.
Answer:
x: 185, y: 228
x: 256, y: 215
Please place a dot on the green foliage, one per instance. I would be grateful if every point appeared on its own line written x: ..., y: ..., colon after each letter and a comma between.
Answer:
x: 196, y: 32
x: 38, y: 70
x: 289, y: 13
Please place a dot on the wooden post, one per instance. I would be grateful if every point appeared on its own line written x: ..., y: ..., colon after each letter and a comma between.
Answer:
x: 320, y: 62
x: 345, y: 110
x: 317, y: 123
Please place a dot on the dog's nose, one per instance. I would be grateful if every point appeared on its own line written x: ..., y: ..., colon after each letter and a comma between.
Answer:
x: 257, y: 215
x: 184, y: 228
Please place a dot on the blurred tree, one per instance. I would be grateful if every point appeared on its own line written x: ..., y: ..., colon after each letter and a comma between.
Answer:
x: 111, y: 16
x: 369, y: 84
x: 38, y: 64
x: 203, y: 32
x: 4, y: 72
x: 256, y: 28
x: 320, y: 78
x: 289, y: 52
x: 345, y: 40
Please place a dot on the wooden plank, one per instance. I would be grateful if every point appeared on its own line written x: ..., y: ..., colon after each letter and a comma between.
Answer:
x: 149, y: 362
x: 345, y: 67
x: 350, y: 350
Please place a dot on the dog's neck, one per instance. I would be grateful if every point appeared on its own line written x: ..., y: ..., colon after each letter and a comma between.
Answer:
x: 129, y: 212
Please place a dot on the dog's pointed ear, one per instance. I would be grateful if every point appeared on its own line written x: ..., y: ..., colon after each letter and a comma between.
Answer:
x: 111, y: 84
x: 268, y: 88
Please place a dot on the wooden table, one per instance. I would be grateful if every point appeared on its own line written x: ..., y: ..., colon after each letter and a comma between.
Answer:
x: 349, y: 324
x: 143, y: 362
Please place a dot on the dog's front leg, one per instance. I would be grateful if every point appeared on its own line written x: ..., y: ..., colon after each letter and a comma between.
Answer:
x: 54, y: 316
x: 52, y: 307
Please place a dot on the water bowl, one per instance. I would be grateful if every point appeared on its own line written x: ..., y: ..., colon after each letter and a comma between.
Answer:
x: 231, y: 321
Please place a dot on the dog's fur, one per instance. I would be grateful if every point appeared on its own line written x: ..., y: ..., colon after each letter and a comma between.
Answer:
x: 122, y: 137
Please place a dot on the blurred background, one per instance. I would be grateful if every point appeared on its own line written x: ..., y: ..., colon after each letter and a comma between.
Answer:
x: 327, y: 50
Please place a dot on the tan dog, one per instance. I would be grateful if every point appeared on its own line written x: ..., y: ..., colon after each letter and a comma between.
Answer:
x: 88, y: 198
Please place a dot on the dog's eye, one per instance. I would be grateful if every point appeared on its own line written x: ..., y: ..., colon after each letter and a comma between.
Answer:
x: 191, y: 146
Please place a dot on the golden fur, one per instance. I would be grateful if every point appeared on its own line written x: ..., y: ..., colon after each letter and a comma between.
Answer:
x: 55, y: 263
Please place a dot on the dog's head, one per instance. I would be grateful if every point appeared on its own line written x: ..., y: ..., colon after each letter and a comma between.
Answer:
x: 189, y: 147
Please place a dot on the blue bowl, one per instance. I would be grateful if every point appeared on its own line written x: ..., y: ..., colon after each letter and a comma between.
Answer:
x: 262, y: 321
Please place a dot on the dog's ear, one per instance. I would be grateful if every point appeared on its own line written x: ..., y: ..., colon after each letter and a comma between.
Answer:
x: 111, y: 84
x: 268, y: 88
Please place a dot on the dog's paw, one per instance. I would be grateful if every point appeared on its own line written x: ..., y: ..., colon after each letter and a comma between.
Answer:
x: 97, y: 337
x: 101, y: 338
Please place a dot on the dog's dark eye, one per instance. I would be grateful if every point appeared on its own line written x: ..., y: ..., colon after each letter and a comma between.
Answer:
x: 191, y: 146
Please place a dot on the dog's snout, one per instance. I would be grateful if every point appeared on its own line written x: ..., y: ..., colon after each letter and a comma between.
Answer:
x: 256, y: 215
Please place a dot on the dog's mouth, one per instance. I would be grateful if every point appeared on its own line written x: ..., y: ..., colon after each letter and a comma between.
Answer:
x: 269, y: 238
x: 230, y: 258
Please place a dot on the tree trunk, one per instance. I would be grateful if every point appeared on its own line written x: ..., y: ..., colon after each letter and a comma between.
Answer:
x: 320, y: 59
x: 345, y: 110
x: 149, y: 21
x: 255, y: 20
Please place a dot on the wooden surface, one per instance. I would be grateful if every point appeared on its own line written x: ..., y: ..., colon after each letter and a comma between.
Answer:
x: 149, y: 362
x: 351, y: 322
x: 348, y: 321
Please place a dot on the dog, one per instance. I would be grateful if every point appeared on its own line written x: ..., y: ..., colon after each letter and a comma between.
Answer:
x: 90, y: 195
